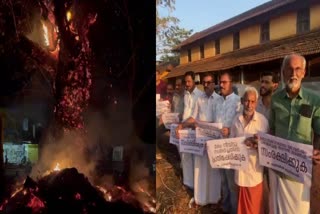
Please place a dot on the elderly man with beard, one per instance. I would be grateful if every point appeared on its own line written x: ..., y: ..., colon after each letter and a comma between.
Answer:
x: 207, y: 181
x: 225, y: 110
x: 250, y: 181
x: 295, y: 115
x: 191, y: 96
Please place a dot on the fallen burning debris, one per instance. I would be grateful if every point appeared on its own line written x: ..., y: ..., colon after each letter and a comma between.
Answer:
x: 68, y: 190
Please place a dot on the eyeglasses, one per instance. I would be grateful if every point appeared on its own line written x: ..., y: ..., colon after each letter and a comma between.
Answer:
x: 224, y: 82
x: 206, y: 83
x: 297, y: 70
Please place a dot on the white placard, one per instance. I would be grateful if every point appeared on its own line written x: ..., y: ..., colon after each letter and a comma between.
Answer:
x: 207, y: 131
x: 229, y: 153
x: 169, y: 118
x: 291, y: 158
x: 187, y: 142
x: 162, y: 107
x: 173, y: 139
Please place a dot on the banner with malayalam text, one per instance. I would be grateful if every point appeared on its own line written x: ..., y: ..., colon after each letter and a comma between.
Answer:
x: 169, y: 118
x: 228, y: 153
x: 187, y: 142
x: 162, y: 107
x: 207, y: 131
x: 173, y: 139
x: 291, y: 158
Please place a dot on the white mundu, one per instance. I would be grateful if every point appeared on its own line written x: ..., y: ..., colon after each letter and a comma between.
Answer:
x: 207, y: 181
x: 187, y: 161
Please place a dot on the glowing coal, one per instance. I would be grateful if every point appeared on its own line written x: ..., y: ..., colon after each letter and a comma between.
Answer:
x: 67, y: 189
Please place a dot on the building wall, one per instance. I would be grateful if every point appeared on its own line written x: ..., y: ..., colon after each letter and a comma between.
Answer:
x: 279, y: 27
x: 315, y: 17
x: 226, y: 44
x: 195, y: 53
x: 283, y: 26
x: 209, y: 49
x: 250, y: 36
x: 184, y: 56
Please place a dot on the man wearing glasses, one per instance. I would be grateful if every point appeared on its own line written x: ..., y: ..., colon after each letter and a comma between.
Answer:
x: 228, y: 105
x: 207, y: 181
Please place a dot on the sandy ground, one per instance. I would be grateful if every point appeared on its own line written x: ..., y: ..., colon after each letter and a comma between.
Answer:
x: 172, y: 196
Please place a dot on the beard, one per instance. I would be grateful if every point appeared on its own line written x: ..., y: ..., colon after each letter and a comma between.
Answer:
x: 265, y: 92
x: 294, y: 84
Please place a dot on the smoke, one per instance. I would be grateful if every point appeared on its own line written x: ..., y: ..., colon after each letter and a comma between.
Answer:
x: 68, y: 152
x: 105, y: 130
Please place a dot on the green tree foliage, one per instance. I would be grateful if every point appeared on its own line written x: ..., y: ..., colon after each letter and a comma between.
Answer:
x: 168, y: 32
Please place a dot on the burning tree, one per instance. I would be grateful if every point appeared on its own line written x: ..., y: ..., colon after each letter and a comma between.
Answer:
x: 52, y: 38
x: 75, y: 62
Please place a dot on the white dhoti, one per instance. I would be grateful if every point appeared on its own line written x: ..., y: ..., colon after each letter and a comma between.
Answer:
x: 207, y: 181
x: 273, y: 186
x: 187, y: 169
x: 292, y: 197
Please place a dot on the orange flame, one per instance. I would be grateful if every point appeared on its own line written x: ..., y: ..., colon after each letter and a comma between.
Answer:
x: 17, y: 191
x: 46, y: 36
x: 57, y: 168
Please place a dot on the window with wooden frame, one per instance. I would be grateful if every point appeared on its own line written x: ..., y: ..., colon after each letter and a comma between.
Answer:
x: 189, y: 55
x: 217, y: 47
x: 303, y: 20
x: 201, y: 51
x: 264, y: 32
x: 236, y: 41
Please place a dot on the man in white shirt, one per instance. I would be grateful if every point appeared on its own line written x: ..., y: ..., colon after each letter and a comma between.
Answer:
x: 207, y: 181
x: 190, y: 98
x: 250, y: 181
x: 228, y: 105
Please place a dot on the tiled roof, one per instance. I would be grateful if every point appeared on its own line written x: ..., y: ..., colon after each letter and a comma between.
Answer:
x: 166, y: 66
x: 259, y: 10
x: 305, y: 44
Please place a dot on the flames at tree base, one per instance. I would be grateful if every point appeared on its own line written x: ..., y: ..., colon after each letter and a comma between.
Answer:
x: 65, y: 191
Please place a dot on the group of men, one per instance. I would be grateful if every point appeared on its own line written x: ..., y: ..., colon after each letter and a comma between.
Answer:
x: 291, y: 113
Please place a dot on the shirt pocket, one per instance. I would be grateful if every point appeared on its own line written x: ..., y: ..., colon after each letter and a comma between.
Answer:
x: 303, y: 128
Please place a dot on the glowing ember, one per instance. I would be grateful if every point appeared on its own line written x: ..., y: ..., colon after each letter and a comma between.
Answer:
x: 56, y: 188
x: 2, y: 205
x: 57, y: 168
x: 35, y: 203
x: 77, y: 196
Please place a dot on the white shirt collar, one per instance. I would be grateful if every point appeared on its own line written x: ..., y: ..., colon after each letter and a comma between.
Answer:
x: 254, y: 118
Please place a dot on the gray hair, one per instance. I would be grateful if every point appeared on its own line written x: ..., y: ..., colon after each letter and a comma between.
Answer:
x: 287, y: 59
x: 250, y: 89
